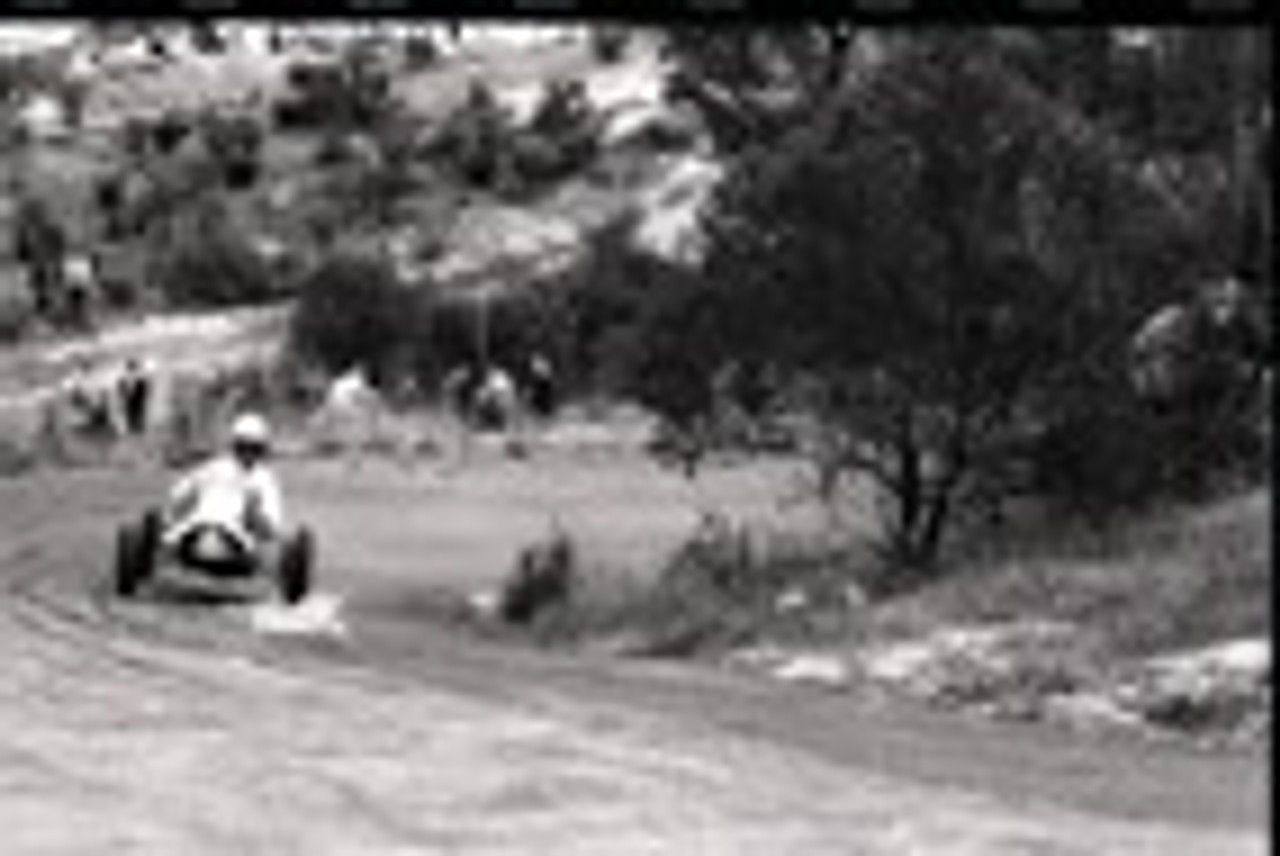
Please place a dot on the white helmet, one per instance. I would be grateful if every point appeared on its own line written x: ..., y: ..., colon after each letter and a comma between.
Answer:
x: 251, y: 429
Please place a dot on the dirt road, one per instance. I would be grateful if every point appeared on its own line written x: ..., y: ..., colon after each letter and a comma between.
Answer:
x: 170, y: 728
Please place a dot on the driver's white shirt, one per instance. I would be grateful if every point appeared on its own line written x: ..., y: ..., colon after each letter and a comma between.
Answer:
x: 244, y: 501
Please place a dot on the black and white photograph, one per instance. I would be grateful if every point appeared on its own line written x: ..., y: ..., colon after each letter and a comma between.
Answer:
x: 498, y: 436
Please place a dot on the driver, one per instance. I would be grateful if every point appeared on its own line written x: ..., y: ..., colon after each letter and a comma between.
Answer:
x: 229, y: 507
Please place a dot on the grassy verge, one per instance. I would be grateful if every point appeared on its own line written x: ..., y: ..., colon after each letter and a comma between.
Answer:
x: 726, y: 586
x: 1183, y: 578
x: 1177, y: 579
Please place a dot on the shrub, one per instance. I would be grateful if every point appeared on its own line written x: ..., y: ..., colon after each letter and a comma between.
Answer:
x: 234, y: 142
x: 352, y: 310
x: 609, y: 44
x: 209, y: 263
x: 16, y: 314
x: 664, y: 133
x: 562, y: 137
x: 546, y: 575
x: 144, y: 137
x: 722, y: 588
x: 352, y: 92
x: 366, y: 187
x: 481, y: 145
x: 1114, y: 453
x: 337, y: 149
x: 206, y: 39
x: 420, y: 52
x: 450, y: 336
x: 601, y: 303
x: 474, y: 141
x: 15, y: 459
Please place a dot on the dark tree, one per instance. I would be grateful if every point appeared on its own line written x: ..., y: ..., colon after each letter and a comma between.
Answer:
x: 942, y: 238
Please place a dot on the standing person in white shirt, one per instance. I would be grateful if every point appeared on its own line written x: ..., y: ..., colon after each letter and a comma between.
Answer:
x: 351, y: 417
x: 498, y: 408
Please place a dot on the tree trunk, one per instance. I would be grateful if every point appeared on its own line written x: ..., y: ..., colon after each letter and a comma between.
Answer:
x: 935, y: 518
x: 907, y: 490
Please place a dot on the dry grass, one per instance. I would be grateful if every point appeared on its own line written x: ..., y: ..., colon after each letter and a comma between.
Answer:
x: 1181, y: 578
x: 726, y: 584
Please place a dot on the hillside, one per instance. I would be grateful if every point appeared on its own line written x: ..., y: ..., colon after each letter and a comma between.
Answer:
x: 1184, y: 579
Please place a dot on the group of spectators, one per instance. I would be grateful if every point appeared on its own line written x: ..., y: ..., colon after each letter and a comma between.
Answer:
x: 493, y: 397
x: 478, y: 399
x: 62, y: 281
x: 104, y: 404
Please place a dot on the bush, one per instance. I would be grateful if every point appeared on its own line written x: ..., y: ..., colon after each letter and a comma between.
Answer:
x: 664, y: 133
x: 352, y: 310
x: 352, y: 92
x: 562, y: 137
x: 16, y: 315
x: 15, y: 459
x: 545, y: 578
x: 1114, y: 454
x: 234, y: 142
x: 609, y: 44
x: 209, y: 263
x: 483, y: 147
x: 474, y: 141
x: 603, y: 302
x: 337, y: 149
x: 449, y: 336
x: 206, y: 39
x: 420, y: 52
x: 366, y: 186
x: 723, y: 588
x: 147, y: 137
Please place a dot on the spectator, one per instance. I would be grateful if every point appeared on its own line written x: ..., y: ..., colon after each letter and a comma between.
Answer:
x: 496, y: 400
x: 542, y: 392
x: 79, y: 280
x: 350, y: 413
x: 40, y: 243
x: 134, y: 387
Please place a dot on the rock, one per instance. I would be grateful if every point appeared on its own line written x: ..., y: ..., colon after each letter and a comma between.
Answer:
x: 898, y: 663
x: 825, y: 670
x: 1218, y: 689
x: 1242, y: 659
x: 791, y: 600
x: 669, y: 211
x: 1090, y: 711
x: 764, y: 657
x: 1000, y: 667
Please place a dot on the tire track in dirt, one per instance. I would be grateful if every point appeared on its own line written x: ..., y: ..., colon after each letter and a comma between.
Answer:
x: 156, y: 728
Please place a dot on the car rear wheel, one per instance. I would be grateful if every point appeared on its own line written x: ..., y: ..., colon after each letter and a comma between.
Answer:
x: 135, y: 558
x: 296, y: 566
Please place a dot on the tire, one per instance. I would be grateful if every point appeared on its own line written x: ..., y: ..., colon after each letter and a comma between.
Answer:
x: 296, y: 565
x: 125, y: 572
x: 135, y: 559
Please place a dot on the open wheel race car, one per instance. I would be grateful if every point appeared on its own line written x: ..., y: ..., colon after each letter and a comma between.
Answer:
x: 141, y: 553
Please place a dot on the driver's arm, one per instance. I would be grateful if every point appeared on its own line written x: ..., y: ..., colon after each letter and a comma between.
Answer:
x: 183, y: 495
x: 266, y: 516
